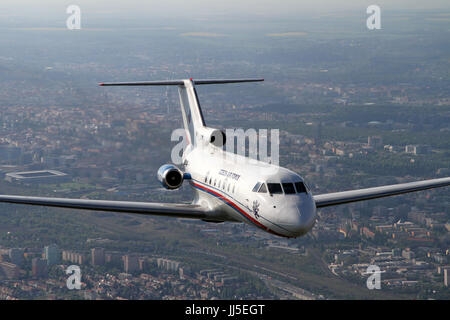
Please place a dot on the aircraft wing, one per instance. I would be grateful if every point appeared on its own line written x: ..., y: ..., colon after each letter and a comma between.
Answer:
x: 336, y: 198
x: 147, y: 208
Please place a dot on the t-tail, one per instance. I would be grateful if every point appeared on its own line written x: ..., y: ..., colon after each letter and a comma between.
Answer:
x: 197, y: 133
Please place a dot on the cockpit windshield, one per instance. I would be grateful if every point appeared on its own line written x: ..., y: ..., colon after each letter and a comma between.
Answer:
x: 256, y: 187
x: 260, y: 187
x: 263, y: 188
x: 288, y: 188
x: 274, y: 188
x: 300, y: 186
x: 280, y: 188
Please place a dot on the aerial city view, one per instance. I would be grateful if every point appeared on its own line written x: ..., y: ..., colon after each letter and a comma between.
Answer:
x: 357, y: 95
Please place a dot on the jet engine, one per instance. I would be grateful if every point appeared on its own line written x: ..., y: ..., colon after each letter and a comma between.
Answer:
x: 170, y: 176
x: 216, y: 137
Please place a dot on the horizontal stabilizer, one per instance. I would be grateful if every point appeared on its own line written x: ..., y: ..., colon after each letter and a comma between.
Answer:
x: 223, y: 81
x: 178, y: 82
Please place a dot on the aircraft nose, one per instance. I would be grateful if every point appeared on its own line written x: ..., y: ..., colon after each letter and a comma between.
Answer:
x: 307, y: 214
x: 307, y: 217
x: 302, y: 217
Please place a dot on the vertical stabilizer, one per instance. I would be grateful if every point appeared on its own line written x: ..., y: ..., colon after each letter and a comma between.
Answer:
x: 191, y: 110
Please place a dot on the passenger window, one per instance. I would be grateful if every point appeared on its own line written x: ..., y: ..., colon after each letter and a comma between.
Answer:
x: 256, y: 187
x: 263, y: 188
x: 210, y: 179
x: 215, y: 181
x: 300, y: 187
x: 288, y: 188
x: 234, y: 188
x: 275, y: 188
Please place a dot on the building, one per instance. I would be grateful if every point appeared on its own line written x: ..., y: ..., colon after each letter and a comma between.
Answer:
x: 9, y: 154
x: 130, y: 263
x: 439, y: 258
x: 446, y: 274
x: 97, y: 256
x: 367, y: 232
x: 52, y: 254
x: 423, y: 149
x: 185, y: 271
x: 39, y: 267
x: 16, y: 256
x: 410, y: 149
x: 74, y: 257
x: 80, y: 258
x: 375, y: 141
x: 10, y: 270
x: 113, y: 258
x: 42, y: 176
x: 229, y: 280
x: 167, y: 264
x: 142, y: 264
x: 396, y: 252
x: 440, y: 269
x: 408, y: 254
x: 417, y: 149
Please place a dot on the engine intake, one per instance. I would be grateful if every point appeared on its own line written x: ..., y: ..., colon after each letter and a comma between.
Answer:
x: 170, y: 176
x: 218, y: 138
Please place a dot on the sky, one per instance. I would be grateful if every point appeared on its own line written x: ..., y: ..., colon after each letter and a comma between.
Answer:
x: 211, y: 7
x: 151, y: 13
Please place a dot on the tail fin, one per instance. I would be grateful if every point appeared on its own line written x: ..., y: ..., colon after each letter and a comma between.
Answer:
x: 190, y: 106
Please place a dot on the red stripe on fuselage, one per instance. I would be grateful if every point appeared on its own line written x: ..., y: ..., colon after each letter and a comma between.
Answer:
x: 258, y: 224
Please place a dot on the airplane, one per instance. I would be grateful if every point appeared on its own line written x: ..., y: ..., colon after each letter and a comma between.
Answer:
x: 229, y: 187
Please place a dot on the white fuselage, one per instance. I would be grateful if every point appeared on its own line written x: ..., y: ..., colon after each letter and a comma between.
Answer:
x: 225, y: 183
